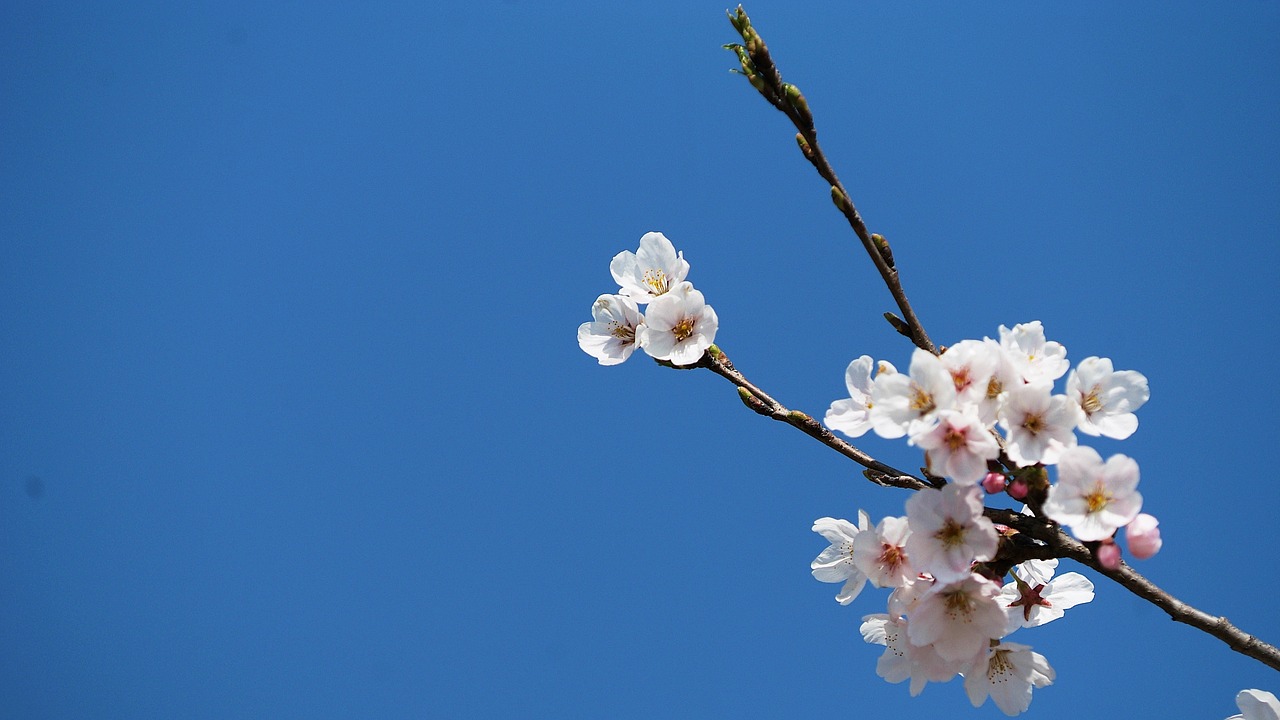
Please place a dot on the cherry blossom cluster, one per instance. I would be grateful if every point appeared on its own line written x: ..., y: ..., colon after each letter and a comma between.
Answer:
x: 678, y: 327
x: 949, y: 612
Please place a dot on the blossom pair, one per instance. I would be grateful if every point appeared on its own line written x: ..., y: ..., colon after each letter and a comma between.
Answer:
x: 678, y: 327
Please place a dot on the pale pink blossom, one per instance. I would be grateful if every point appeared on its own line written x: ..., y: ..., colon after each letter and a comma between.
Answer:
x: 1007, y: 673
x: 958, y: 446
x: 881, y: 554
x: 949, y: 531
x: 958, y: 619
x: 1143, y: 536
x: 1094, y: 498
x: 902, y: 660
x: 1039, y: 425
x: 972, y: 365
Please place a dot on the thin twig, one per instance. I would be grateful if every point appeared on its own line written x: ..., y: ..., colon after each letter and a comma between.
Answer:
x: 760, y: 70
x: 761, y: 402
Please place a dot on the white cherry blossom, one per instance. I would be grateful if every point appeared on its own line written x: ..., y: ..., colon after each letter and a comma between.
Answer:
x: 881, y: 553
x: 836, y: 563
x: 972, y: 365
x: 908, y: 404
x: 958, y: 446
x: 1035, y: 358
x: 650, y: 272
x: 851, y: 415
x: 958, y: 619
x: 1257, y: 705
x: 610, y: 337
x: 901, y: 660
x: 1107, y: 397
x: 1092, y: 497
x: 679, y: 326
x: 1033, y: 600
x: 1039, y: 425
x: 1007, y: 673
x: 949, y: 531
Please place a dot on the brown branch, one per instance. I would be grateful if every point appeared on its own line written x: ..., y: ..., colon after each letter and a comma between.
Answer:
x: 1060, y: 545
x: 761, y: 402
x: 760, y: 70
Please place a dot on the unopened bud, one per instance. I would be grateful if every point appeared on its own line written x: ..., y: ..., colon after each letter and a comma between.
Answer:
x: 839, y: 198
x: 796, y: 98
x: 752, y: 401
x: 994, y: 483
x: 1017, y: 489
x: 898, y: 324
x: 804, y: 146
x: 1108, y: 554
x: 1143, y: 535
x: 883, y: 246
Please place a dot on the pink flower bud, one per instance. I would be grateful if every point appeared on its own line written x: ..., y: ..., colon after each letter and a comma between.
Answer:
x: 1018, y: 489
x: 1143, y: 536
x: 993, y: 483
x: 1108, y: 554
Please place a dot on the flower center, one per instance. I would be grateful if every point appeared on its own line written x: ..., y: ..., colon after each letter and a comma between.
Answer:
x: 921, y: 401
x: 951, y: 534
x: 998, y: 665
x: 1097, y: 499
x: 1029, y: 597
x: 994, y: 388
x: 1092, y: 403
x: 958, y: 602
x: 625, y: 333
x: 683, y: 329
x: 961, y: 378
x: 1033, y: 424
x: 954, y: 439
x: 657, y: 279
x: 890, y: 556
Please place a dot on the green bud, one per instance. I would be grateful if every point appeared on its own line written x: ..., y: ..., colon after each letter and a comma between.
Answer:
x: 883, y: 246
x: 839, y: 198
x: 898, y: 324
x: 796, y: 98
x: 752, y: 401
x: 804, y: 146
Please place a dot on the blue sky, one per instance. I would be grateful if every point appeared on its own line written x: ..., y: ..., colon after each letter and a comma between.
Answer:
x: 294, y: 424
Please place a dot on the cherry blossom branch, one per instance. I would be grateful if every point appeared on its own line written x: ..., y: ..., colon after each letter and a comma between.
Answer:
x: 760, y: 70
x: 761, y: 402
x: 758, y: 67
x: 1053, y: 542
x: 1060, y: 545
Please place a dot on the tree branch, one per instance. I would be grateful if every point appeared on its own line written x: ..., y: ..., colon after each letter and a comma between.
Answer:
x: 758, y: 66
x: 760, y: 70
x: 1061, y: 545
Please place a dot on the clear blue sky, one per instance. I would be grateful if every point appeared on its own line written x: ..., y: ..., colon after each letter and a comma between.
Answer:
x: 293, y: 423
